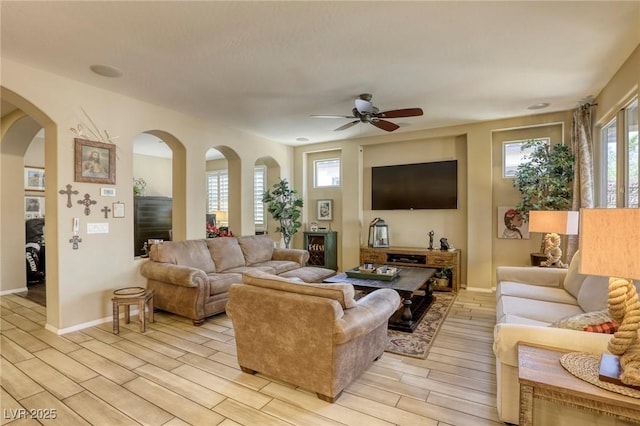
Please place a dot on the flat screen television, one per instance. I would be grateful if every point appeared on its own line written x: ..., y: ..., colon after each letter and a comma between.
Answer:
x: 415, y: 186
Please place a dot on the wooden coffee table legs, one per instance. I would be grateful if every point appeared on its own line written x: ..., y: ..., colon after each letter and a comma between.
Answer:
x: 414, y: 307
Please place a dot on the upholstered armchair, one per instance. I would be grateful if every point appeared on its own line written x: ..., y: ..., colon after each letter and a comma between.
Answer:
x: 315, y: 336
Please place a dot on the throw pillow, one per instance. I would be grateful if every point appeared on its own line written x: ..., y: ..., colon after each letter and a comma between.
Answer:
x: 594, y: 293
x: 580, y: 321
x: 609, y: 327
x: 573, y: 280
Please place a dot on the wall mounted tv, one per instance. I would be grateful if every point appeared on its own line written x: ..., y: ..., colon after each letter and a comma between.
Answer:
x: 415, y: 186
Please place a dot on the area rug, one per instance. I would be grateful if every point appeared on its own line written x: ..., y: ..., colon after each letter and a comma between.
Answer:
x: 417, y: 344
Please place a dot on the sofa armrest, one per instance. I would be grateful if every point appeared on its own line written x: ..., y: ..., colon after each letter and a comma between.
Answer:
x: 173, y: 274
x: 548, y: 277
x: 507, y: 336
x: 294, y: 255
x: 369, y: 313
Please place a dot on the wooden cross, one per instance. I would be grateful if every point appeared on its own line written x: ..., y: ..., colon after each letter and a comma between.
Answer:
x: 106, y: 211
x: 68, y: 193
x: 75, y: 240
x: 87, y: 202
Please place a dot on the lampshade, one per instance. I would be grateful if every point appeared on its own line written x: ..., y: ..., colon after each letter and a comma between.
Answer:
x: 610, y: 242
x: 221, y: 216
x: 549, y: 221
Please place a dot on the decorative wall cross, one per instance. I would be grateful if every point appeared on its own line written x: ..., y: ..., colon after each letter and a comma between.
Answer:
x: 87, y: 202
x: 68, y: 193
x: 75, y: 240
x: 106, y: 211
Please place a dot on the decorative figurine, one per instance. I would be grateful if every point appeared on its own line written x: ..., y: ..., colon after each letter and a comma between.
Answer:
x: 431, y: 234
x: 444, y: 244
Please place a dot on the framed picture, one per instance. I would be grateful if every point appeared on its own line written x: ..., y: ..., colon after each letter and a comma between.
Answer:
x: 511, y: 224
x: 33, y: 206
x: 108, y: 192
x: 118, y: 210
x: 513, y: 155
x: 33, y: 178
x: 95, y: 162
x: 325, y: 209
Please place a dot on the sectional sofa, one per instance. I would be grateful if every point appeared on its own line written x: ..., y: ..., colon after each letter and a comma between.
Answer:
x: 192, y: 278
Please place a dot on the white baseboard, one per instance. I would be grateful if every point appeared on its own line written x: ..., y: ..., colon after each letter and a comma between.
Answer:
x: 13, y: 290
x: 78, y: 327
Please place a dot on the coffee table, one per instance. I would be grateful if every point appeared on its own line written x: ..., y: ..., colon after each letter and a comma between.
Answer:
x: 415, y: 304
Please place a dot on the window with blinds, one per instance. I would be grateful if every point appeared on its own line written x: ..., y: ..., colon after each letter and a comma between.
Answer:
x: 218, y: 192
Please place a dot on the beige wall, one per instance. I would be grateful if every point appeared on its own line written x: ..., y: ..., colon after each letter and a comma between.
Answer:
x: 80, y: 282
x: 157, y: 172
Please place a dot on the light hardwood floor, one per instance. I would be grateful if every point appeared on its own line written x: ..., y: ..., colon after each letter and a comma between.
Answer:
x: 177, y: 374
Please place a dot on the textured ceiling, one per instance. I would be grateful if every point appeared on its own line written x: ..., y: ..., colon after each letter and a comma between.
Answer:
x: 265, y: 67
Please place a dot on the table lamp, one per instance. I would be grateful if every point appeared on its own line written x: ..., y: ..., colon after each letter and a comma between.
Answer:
x: 221, y: 218
x: 610, y: 247
x: 553, y: 223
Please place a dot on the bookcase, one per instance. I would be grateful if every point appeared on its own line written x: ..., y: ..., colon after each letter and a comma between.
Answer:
x: 416, y: 257
x: 322, y: 248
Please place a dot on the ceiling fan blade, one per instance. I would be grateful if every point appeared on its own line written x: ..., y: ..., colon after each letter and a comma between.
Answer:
x: 333, y: 116
x: 385, y: 125
x: 364, y: 106
x: 346, y: 126
x: 405, y: 112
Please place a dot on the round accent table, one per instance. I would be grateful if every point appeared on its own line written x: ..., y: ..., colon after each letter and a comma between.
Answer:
x: 132, y: 296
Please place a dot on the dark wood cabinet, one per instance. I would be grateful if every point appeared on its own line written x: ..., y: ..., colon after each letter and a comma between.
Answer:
x: 418, y: 257
x: 322, y: 248
x: 152, y: 219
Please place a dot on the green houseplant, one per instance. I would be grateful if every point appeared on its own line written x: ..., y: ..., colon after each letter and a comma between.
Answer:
x: 545, y: 178
x: 443, y: 276
x: 285, y: 206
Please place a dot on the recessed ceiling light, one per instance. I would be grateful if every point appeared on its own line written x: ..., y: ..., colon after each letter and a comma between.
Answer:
x: 302, y: 139
x: 106, y: 70
x: 541, y: 105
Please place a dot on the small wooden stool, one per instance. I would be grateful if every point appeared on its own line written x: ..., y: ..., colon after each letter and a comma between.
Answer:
x: 132, y: 296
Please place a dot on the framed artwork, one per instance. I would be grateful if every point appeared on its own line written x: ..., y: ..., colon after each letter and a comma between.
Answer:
x: 33, y: 206
x: 95, y: 162
x: 513, y: 155
x: 108, y: 192
x: 325, y: 209
x: 511, y: 225
x: 118, y: 210
x: 33, y: 178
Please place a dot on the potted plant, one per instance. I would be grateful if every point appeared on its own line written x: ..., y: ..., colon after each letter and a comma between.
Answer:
x: 443, y: 276
x: 285, y: 206
x: 545, y: 181
x: 139, y: 184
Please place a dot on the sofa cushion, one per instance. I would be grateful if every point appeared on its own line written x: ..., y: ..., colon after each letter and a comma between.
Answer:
x: 580, y: 321
x: 594, y: 293
x: 220, y: 283
x: 574, y: 279
x: 309, y: 274
x: 538, y: 310
x: 526, y: 291
x: 279, y: 266
x: 226, y: 253
x: 256, y: 248
x: 515, y: 319
x: 191, y: 253
x: 343, y: 293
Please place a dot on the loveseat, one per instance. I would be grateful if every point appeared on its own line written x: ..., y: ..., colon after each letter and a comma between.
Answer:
x: 192, y: 278
x: 316, y: 336
x: 548, y: 307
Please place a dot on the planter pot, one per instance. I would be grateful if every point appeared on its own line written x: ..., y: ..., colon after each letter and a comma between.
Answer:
x: 441, y: 283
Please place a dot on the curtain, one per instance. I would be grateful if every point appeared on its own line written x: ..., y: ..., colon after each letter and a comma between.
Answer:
x: 582, y: 148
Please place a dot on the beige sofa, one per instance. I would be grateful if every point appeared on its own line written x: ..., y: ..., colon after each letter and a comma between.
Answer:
x: 533, y: 306
x: 192, y: 278
x: 315, y: 336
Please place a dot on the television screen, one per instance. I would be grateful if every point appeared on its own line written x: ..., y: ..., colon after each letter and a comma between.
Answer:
x: 415, y: 186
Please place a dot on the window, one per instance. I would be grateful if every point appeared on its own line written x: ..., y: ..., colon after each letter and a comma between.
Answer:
x: 326, y: 173
x: 218, y: 192
x: 620, y: 158
x: 259, y: 178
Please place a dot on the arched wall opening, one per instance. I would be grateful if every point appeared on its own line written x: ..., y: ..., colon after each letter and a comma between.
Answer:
x: 273, y: 173
x: 220, y: 158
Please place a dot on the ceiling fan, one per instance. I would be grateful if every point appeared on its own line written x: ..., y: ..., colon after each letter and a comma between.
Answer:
x: 365, y: 112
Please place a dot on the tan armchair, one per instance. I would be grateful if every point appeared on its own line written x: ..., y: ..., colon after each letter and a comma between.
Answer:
x: 315, y: 336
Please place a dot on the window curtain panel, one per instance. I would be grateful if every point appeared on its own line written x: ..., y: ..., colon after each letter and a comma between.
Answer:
x: 582, y: 148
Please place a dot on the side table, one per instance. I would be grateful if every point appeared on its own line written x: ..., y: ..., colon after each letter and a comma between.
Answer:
x: 132, y: 296
x: 542, y: 376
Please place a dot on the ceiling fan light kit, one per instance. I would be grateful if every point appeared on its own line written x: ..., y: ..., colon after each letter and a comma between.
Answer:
x: 365, y: 112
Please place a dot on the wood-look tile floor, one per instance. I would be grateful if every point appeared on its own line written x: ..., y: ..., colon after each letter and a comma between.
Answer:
x: 178, y: 374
